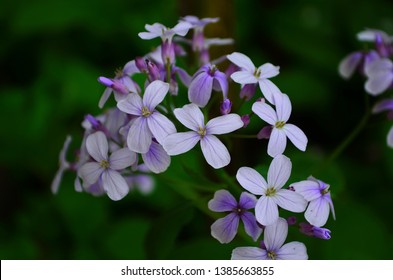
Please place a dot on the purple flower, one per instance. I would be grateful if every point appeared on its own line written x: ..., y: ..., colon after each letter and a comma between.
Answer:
x: 207, y: 78
x: 156, y: 159
x: 63, y: 165
x: 106, y: 168
x: 198, y: 25
x: 225, y: 229
x: 158, y: 30
x: 274, y: 249
x: 149, y: 122
x: 249, y: 74
x: 317, y: 193
x: 313, y: 231
x: 281, y: 129
x: 225, y: 107
x: 271, y: 192
x: 356, y: 61
x: 383, y: 42
x: 380, y: 76
x: 214, y: 151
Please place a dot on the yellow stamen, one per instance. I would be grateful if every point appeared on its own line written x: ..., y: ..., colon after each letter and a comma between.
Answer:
x: 145, y: 112
x: 279, y: 124
x: 202, y: 131
x: 270, y: 191
x: 104, y: 164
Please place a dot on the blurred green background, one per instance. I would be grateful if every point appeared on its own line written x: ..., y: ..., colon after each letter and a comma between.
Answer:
x: 52, y: 52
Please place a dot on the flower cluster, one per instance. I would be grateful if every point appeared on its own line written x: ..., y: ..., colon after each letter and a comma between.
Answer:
x: 122, y: 148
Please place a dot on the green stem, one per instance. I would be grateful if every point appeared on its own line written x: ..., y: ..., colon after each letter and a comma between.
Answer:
x: 245, y: 136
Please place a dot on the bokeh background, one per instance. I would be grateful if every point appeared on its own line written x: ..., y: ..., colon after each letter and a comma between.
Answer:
x: 52, y: 52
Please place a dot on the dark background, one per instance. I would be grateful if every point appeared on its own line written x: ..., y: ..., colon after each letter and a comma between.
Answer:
x: 52, y: 52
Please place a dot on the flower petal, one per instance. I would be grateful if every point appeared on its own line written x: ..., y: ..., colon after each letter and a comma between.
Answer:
x: 156, y: 159
x: 283, y: 107
x: 179, y: 143
x: 160, y: 126
x: 317, y: 212
x: 225, y: 229
x: 251, y: 180
x: 223, y: 201
x: 244, y: 77
x: 268, y: 70
x: 249, y: 253
x: 224, y: 124
x: 266, y: 211
x: 269, y: 90
x: 97, y: 146
x: 384, y: 105
x: 154, y: 94
x: 90, y: 172
x: 104, y: 97
x: 242, y: 61
x: 349, y: 64
x: 181, y: 28
x: 247, y: 201
x: 279, y: 171
x: 251, y: 226
x: 131, y: 105
x: 222, y: 80
x: 292, y: 251
x: 200, y: 89
x: 277, y: 142
x: 139, y: 136
x: 190, y: 116
x: 375, y: 85
x: 309, y: 189
x: 114, y: 184
x: 275, y: 235
x: 215, y: 152
x: 290, y: 200
x: 296, y: 135
x: 121, y: 159
x: 265, y: 112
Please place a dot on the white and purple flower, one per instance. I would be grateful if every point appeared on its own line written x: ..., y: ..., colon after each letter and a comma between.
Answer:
x: 380, y: 76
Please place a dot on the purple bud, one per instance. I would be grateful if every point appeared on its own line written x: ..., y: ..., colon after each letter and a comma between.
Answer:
x: 265, y: 132
x: 246, y: 120
x: 154, y: 72
x: 313, y: 231
x: 248, y: 91
x: 292, y: 220
x: 383, y: 49
x: 105, y: 81
x: 232, y: 68
x: 168, y: 52
x: 96, y: 124
x: 262, y: 245
x: 141, y: 64
x: 119, y: 87
x: 225, y: 107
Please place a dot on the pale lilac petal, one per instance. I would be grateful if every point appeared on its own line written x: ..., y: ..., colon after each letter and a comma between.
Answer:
x: 277, y: 142
x: 317, y: 212
x: 375, y: 85
x: 144, y: 183
x: 130, y: 68
x: 216, y: 154
x: 251, y: 180
x: 222, y: 80
x: 104, y: 97
x: 247, y: 201
x: 155, y: 94
x: 349, y: 64
x: 131, y: 105
x: 139, y: 136
x: 225, y: 229
x: 378, y: 66
x: 77, y: 185
x: 384, y: 105
x: 190, y: 116
x: 97, y: 146
x: 275, y: 234
x: 155, y: 30
x: 181, y: 28
x: 249, y: 253
x: 129, y: 84
x: 200, y: 89
x: 279, y: 171
x: 56, y: 181
x: 309, y: 189
x: 265, y: 112
x: 147, y: 35
x: 114, y: 184
x: 160, y: 126
x: 292, y: 251
x: 121, y: 159
x: 290, y: 200
x: 183, y: 75
x: 90, y: 172
x: 223, y: 201
x: 244, y: 77
x: 242, y: 61
x: 182, y: 142
x: 156, y: 159
x: 224, y: 124
x: 251, y: 226
x: 266, y: 211
x: 283, y: 107
x: 296, y: 135
x: 269, y: 90
x: 370, y: 35
x: 390, y: 137
x: 268, y: 70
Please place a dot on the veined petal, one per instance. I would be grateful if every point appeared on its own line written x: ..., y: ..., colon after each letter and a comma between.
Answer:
x: 242, y: 61
x: 216, y: 154
x: 225, y: 229
x: 224, y: 124
x: 223, y: 201
x: 279, y: 171
x: 90, y: 172
x: 268, y: 70
x: 160, y: 126
x: 249, y: 253
x: 247, y: 201
x: 309, y: 189
x: 283, y: 107
x: 200, y: 89
x: 251, y: 226
x: 251, y: 180
x: 296, y: 135
x: 269, y: 90
x: 139, y: 136
x: 179, y: 143
x: 104, y: 97
x: 266, y: 211
x: 131, y: 105
x: 190, y: 116
x: 222, y: 80
x: 244, y: 77
x: 292, y: 251
x: 156, y: 159
x: 277, y: 142
x: 97, y: 146
x: 290, y: 200
x: 275, y: 234
x: 349, y: 64
x: 114, y: 184
x: 375, y: 85
x: 121, y: 159
x: 265, y: 112
x: 389, y: 137
x: 147, y: 35
x: 317, y: 212
x: 154, y: 94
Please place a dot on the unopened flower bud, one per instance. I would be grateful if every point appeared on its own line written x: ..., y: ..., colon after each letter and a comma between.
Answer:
x: 225, y: 107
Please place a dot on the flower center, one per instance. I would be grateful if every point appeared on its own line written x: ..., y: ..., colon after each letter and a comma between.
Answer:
x: 325, y: 190
x: 257, y: 72
x: 104, y: 164
x: 279, y: 124
x: 270, y: 191
x: 272, y: 255
x: 202, y: 131
x: 238, y: 210
x: 212, y: 70
x: 145, y: 112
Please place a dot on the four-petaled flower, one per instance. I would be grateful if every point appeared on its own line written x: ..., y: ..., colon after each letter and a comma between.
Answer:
x: 271, y: 192
x: 225, y: 229
x: 214, y: 151
x: 273, y: 248
x: 281, y: 129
